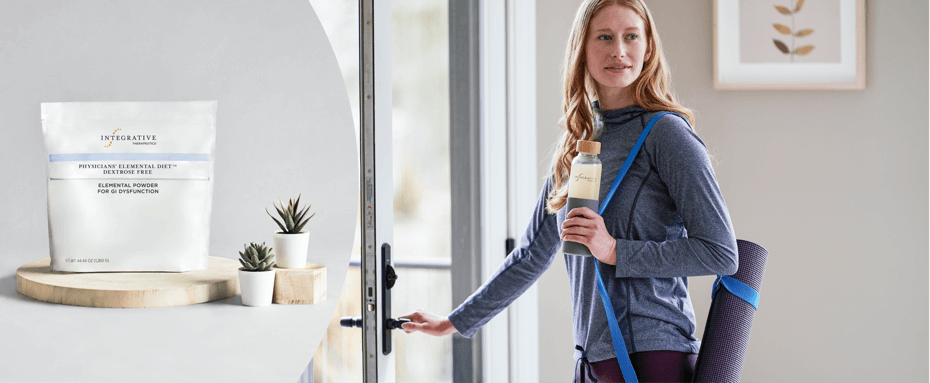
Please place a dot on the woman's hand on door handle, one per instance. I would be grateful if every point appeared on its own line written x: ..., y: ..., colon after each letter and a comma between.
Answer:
x: 428, y: 324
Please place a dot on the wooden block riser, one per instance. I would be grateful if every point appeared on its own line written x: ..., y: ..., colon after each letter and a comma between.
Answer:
x: 300, y: 286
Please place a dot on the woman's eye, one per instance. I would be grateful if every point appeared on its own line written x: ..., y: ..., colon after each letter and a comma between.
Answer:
x: 604, y: 37
x: 632, y: 36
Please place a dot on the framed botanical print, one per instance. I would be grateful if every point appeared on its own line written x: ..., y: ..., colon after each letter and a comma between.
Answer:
x: 789, y: 44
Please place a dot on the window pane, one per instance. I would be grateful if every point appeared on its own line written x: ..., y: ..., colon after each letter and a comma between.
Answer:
x: 420, y: 357
x: 422, y: 199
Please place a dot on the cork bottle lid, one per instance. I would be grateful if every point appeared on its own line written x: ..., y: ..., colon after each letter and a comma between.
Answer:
x: 592, y: 147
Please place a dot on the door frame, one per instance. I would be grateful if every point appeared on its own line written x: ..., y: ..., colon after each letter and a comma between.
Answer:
x: 377, y: 206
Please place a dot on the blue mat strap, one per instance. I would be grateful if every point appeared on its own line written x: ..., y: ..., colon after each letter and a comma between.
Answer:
x: 623, y: 357
x: 626, y: 366
x: 740, y: 289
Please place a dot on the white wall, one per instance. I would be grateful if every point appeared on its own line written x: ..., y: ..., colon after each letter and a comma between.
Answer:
x: 832, y: 183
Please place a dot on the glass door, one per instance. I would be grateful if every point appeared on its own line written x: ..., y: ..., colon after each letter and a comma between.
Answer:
x: 419, y: 197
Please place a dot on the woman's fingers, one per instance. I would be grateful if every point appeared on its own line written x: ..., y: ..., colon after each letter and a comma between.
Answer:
x: 582, y: 216
x: 417, y: 323
x: 578, y: 234
x: 579, y: 222
x: 582, y: 211
x: 577, y: 239
x: 418, y: 316
x: 411, y: 327
x: 427, y: 323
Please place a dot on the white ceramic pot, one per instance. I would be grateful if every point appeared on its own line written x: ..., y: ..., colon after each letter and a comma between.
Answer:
x: 256, y: 287
x: 290, y: 250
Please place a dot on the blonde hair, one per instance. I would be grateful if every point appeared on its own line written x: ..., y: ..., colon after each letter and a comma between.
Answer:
x: 651, y: 90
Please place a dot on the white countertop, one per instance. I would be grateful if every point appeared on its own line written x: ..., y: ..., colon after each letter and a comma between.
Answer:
x: 215, y: 341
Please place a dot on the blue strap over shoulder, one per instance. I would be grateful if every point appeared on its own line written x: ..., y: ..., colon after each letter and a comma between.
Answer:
x: 623, y: 357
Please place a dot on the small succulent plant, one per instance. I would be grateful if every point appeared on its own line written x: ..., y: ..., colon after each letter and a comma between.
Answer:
x: 292, y: 217
x: 256, y: 257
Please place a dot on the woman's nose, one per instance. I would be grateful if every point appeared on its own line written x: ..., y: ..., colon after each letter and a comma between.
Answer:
x: 617, y: 50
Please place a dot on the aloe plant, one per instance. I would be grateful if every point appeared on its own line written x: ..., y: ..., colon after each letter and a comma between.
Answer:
x: 256, y: 257
x: 292, y: 217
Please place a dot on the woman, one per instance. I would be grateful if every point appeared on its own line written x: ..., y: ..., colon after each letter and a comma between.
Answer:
x: 666, y: 222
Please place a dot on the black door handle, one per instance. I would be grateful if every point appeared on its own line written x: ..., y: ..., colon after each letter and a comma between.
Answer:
x: 391, y: 324
x: 388, y: 278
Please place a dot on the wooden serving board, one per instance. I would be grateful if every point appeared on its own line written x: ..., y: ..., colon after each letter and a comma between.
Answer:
x: 300, y: 286
x: 129, y: 290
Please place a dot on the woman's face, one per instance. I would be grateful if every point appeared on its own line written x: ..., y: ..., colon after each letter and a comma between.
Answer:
x: 616, y: 47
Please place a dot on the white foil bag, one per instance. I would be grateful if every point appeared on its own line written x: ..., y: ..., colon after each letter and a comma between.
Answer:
x: 130, y: 184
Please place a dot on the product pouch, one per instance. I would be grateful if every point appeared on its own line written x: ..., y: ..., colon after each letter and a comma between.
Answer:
x: 130, y: 184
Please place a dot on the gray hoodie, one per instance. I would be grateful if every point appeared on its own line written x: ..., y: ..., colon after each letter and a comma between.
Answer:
x: 670, y: 222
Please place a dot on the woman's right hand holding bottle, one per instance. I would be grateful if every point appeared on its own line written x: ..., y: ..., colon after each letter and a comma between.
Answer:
x: 428, y: 324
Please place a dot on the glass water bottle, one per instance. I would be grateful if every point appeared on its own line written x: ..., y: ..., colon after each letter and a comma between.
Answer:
x: 584, y: 187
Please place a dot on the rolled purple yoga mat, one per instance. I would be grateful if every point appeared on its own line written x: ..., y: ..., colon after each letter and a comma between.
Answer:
x: 726, y: 335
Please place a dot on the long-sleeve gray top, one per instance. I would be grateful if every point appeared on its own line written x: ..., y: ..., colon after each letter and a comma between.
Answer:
x: 670, y: 222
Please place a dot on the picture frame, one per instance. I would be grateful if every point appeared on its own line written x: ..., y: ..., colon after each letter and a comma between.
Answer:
x: 817, y: 45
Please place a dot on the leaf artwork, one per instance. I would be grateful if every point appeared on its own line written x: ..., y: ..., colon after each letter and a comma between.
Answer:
x: 783, y: 29
x: 783, y: 10
x: 781, y: 46
x: 786, y: 30
x: 804, y: 50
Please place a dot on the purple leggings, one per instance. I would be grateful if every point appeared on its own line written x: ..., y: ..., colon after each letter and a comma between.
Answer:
x: 650, y: 366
